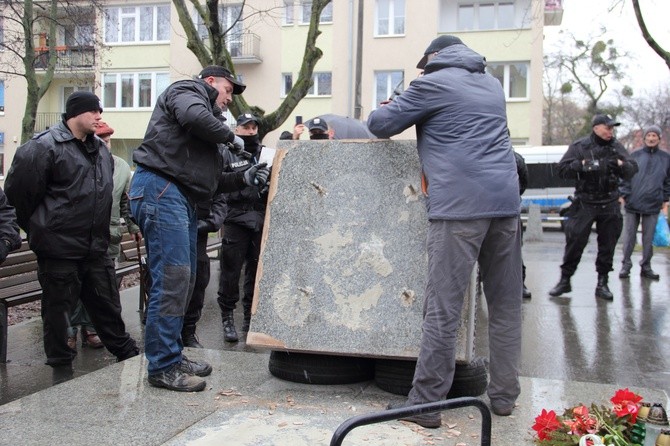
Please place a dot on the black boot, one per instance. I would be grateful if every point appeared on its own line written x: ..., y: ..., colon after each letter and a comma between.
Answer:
x: 247, y: 320
x: 525, y: 293
x: 229, y: 332
x: 563, y: 286
x: 188, y: 337
x: 602, y: 291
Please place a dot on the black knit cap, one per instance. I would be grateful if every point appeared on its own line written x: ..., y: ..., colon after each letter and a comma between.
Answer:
x: 81, y: 102
x: 219, y: 71
x: 436, y: 45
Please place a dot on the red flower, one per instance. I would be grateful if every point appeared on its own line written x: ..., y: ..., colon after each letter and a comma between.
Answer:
x: 545, y: 423
x: 582, y: 422
x: 626, y: 403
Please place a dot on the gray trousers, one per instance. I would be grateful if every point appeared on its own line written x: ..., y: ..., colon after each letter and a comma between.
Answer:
x: 454, y: 247
x: 630, y: 223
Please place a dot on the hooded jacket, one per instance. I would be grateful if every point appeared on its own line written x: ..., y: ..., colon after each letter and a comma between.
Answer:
x: 462, y: 137
x: 180, y: 143
x: 650, y: 187
x: 61, y: 188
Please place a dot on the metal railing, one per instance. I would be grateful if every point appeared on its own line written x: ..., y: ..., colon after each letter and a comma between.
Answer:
x: 44, y: 121
x: 74, y: 58
x: 394, y: 414
x: 244, y: 48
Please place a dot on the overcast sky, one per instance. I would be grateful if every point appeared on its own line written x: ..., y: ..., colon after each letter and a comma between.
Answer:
x: 585, y: 17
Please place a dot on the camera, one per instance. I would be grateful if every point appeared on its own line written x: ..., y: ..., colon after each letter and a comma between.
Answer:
x: 591, y: 165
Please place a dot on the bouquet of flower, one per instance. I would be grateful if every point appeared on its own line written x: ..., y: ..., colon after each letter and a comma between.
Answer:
x: 615, y: 425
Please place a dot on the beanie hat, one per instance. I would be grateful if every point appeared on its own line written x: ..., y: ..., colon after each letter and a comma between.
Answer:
x: 103, y: 130
x: 436, y: 45
x: 652, y: 129
x: 219, y: 71
x: 81, y: 102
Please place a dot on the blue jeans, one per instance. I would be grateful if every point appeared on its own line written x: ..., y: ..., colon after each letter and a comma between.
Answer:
x: 169, y: 226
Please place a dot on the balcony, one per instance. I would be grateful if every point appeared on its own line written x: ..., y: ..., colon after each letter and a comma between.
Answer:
x: 244, y: 48
x: 44, y: 121
x: 553, y: 12
x: 69, y: 58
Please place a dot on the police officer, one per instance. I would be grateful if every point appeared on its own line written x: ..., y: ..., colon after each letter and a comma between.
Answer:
x: 597, y: 162
x: 242, y: 231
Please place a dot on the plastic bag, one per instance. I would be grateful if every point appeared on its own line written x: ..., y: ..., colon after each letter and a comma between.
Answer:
x: 662, y: 234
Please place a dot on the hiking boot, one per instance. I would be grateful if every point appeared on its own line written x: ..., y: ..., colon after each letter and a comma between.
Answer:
x: 89, y: 338
x: 175, y: 379
x: 525, y: 293
x: 427, y: 420
x: 649, y: 274
x: 188, y: 337
x: 194, y: 368
x: 624, y: 274
x: 563, y: 286
x: 602, y: 290
x: 229, y: 332
x: 246, y: 324
x: 502, y: 411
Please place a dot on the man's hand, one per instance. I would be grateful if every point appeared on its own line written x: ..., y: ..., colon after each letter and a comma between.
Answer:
x: 237, y: 147
x: 204, y: 227
x: 137, y: 236
x: 257, y: 175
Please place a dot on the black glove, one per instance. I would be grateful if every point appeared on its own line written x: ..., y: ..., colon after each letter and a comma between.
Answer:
x: 613, y: 164
x: 4, y: 250
x: 237, y: 148
x: 256, y: 175
x: 205, y: 227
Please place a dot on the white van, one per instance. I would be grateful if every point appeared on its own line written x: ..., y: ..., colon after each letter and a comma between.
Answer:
x: 544, y: 185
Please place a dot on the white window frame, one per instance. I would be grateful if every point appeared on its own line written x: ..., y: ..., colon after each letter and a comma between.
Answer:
x: 323, y: 19
x: 135, y: 14
x: 475, y: 19
x: 120, y: 77
x: 314, y: 89
x: 387, y: 77
x: 64, y: 95
x: 506, y: 77
x: 392, y: 15
x: 288, y: 16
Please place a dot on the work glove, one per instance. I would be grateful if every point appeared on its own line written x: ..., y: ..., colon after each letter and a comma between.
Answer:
x: 205, y: 227
x: 237, y: 148
x: 257, y: 175
x: 613, y: 164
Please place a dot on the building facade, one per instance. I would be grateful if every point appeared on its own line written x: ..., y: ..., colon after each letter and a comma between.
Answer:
x: 128, y: 52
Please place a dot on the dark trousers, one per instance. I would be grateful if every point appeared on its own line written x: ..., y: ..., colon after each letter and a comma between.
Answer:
x: 578, y: 228
x: 202, y: 274
x: 239, y: 245
x: 93, y: 281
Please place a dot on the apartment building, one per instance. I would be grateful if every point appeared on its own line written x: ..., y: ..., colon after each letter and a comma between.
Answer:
x: 131, y: 50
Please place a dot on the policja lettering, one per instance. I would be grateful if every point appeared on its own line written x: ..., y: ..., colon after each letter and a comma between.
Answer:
x: 237, y: 164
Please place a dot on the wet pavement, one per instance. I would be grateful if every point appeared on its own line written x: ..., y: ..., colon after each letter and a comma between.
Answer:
x: 576, y: 348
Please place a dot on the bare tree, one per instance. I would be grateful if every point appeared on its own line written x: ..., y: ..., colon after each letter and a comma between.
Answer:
x: 653, y: 44
x: 589, y: 65
x: 27, y: 23
x: 212, y: 50
x: 652, y: 108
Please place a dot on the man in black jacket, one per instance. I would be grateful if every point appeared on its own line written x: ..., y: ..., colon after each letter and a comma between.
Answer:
x: 644, y: 196
x: 61, y: 185
x: 178, y: 166
x: 597, y: 162
x: 242, y: 232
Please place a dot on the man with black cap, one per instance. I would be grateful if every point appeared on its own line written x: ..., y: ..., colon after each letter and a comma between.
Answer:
x: 61, y: 185
x: 242, y: 231
x: 178, y: 166
x: 318, y: 129
x: 473, y: 210
x: 597, y: 162
x: 644, y: 196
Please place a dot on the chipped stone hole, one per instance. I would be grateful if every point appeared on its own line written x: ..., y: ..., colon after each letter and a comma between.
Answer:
x: 408, y: 297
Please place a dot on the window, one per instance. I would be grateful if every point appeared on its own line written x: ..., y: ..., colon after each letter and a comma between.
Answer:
x: 288, y: 12
x: 133, y: 90
x: 389, y: 17
x: 306, y: 12
x: 286, y: 83
x: 322, y: 85
x: 485, y: 16
x: 228, y: 20
x: 387, y: 84
x: 132, y: 24
x: 2, y: 96
x: 513, y: 77
x: 68, y: 90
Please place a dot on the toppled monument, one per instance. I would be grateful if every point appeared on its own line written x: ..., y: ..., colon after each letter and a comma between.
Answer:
x: 343, y: 264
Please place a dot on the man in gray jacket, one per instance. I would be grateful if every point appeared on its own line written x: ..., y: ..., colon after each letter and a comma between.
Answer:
x: 644, y: 196
x: 473, y: 209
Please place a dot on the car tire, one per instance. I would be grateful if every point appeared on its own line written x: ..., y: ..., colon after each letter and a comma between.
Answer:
x: 307, y: 368
x: 395, y: 376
